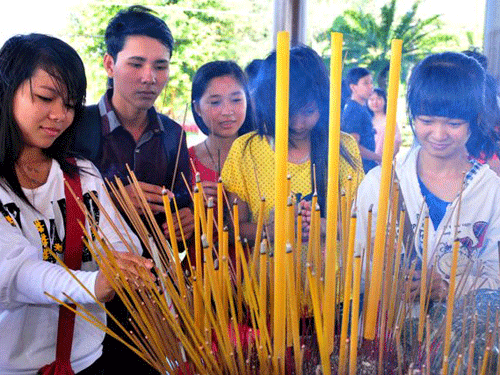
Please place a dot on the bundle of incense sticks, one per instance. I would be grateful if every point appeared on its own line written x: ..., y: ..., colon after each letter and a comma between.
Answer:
x: 253, y: 312
x: 200, y: 317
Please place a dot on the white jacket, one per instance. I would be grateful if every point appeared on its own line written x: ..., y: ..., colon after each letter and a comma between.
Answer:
x: 28, y: 318
x: 478, y: 228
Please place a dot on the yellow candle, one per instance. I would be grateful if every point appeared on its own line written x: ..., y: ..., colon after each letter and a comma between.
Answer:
x: 263, y: 284
x: 220, y: 214
x: 224, y: 267
x: 395, y: 286
x: 173, y: 242
x: 299, y: 257
x: 318, y: 255
x: 290, y: 221
x: 288, y: 185
x: 484, y: 367
x: 281, y: 160
x: 312, y: 231
x: 258, y: 234
x: 458, y: 365
x: 181, y: 230
x: 347, y: 296
x: 207, y: 293
x: 355, y: 316
x: 210, y: 233
x: 423, y: 282
x: 368, y: 256
x: 237, y: 241
x: 210, y: 276
x: 449, y: 304
x: 202, y: 205
x: 385, y: 185
x: 210, y: 222
x: 198, y: 302
x: 293, y: 306
x: 344, y: 225
x: 318, y: 323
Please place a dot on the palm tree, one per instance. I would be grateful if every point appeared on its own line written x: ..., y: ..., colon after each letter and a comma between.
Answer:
x: 367, y: 39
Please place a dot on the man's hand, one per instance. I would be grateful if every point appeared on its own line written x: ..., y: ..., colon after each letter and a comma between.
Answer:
x: 133, y: 266
x: 187, y: 223
x: 152, y: 193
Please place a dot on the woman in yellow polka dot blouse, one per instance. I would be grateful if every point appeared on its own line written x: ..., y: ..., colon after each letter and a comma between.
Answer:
x: 248, y: 173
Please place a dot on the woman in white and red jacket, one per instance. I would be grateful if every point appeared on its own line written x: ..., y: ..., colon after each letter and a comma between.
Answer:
x: 42, y: 90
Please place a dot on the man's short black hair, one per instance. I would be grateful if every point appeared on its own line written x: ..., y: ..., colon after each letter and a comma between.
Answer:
x: 136, y: 20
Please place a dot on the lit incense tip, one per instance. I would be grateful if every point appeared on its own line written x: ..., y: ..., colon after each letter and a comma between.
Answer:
x: 210, y: 203
x: 263, y: 247
x: 204, y: 241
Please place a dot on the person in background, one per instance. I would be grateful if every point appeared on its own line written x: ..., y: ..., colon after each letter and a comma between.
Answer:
x: 125, y: 129
x: 492, y: 105
x: 440, y: 177
x: 222, y: 109
x: 377, y: 104
x: 42, y: 93
x: 248, y: 173
x: 356, y: 119
x: 252, y: 71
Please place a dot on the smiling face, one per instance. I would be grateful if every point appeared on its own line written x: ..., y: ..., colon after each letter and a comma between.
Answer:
x: 139, y: 73
x: 376, y: 103
x: 223, y: 106
x: 442, y: 137
x: 41, y: 110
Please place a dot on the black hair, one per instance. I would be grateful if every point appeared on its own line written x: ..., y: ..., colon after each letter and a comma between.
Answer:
x: 492, y: 116
x: 452, y: 85
x: 309, y: 83
x: 478, y: 56
x: 352, y: 78
x: 355, y: 74
x: 20, y: 57
x: 381, y: 93
x: 136, y: 20
x: 201, y: 80
x: 252, y: 69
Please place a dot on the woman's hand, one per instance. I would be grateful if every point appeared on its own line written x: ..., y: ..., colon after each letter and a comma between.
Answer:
x: 436, y: 286
x: 133, y: 266
x: 305, y: 208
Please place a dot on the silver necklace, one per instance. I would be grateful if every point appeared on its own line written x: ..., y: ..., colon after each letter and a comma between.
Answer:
x: 216, y: 165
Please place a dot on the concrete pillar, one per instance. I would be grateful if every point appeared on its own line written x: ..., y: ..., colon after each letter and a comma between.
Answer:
x: 492, y: 36
x: 290, y: 15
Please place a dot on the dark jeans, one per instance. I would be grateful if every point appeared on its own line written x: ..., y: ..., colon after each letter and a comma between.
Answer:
x: 117, y: 358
